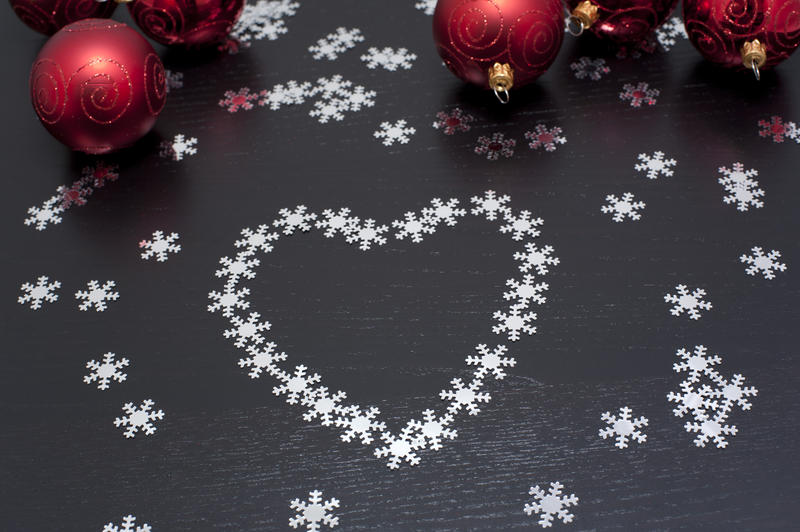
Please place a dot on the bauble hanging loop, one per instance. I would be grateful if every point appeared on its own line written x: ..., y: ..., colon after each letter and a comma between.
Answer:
x: 623, y: 22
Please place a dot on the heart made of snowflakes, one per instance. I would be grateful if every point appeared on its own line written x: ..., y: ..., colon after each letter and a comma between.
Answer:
x: 300, y: 385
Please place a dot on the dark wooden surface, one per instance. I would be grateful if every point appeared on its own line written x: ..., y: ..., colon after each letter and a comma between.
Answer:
x: 392, y: 327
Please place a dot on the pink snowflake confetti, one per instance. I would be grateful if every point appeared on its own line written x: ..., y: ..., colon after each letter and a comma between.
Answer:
x: 100, y: 173
x: 495, y: 146
x: 775, y: 128
x: 75, y: 194
x: 241, y: 99
x: 542, y: 137
x: 639, y: 94
x: 453, y: 122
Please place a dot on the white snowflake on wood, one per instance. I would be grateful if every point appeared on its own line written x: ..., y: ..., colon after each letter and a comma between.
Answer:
x: 390, y: 133
x: 139, y: 418
x: 465, y: 397
x: 742, y: 190
x: 295, y: 385
x: 495, y: 146
x: 536, y: 258
x: 432, y: 429
x: 514, y: 322
x: 228, y: 301
x: 639, y: 94
x: 128, y: 525
x: 522, y: 225
x: 388, y: 58
x: 97, y: 296
x: 623, y: 207
x: 588, y: 68
x: 35, y: 294
x: 544, y: 137
x: 297, y: 219
x: 400, y: 448
x: 259, y: 240
x: 246, y: 331
x: 491, y: 205
x: 655, y: 165
x: 551, y: 504
x: 103, y: 372
x: 525, y: 292
x: 236, y: 269
x: 48, y: 213
x: 444, y: 212
x: 337, y: 222
x: 412, y: 227
x: 322, y: 405
x: 333, y: 44
x: 686, y: 302
x: 179, y: 147
x: 160, y: 246
x: 366, y: 234
x: 361, y: 424
x: 174, y: 80
x: 426, y: 6
x: 669, y: 32
x: 491, y: 361
x: 263, y: 20
x: 284, y: 94
x: 262, y: 359
x: 623, y: 427
x: 766, y: 265
x: 314, y: 512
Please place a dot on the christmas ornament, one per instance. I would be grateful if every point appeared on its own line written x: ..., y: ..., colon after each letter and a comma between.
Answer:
x: 498, y: 44
x: 49, y: 16
x: 752, y: 34
x: 186, y: 22
x: 97, y: 86
x: 622, y: 21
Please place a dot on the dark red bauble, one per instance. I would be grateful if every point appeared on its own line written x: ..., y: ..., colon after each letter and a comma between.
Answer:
x: 97, y: 86
x: 186, y: 22
x: 473, y: 35
x: 719, y: 29
x: 627, y: 21
x: 49, y: 16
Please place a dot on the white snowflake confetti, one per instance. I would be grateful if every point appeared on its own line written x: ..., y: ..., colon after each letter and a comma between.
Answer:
x: 454, y: 121
x: 623, y: 427
x: 491, y: 361
x: 588, y: 68
x: 249, y: 330
x: 622, y: 208
x: 766, y: 265
x: 398, y: 132
x: 259, y: 240
x: 444, y: 212
x: 495, y: 146
x: 426, y: 6
x: 514, y: 322
x: 128, y: 525
x: 388, y: 58
x: 432, y: 430
x: 655, y: 165
x: 669, y: 32
x: 536, y: 258
x: 322, y: 405
x: 359, y: 423
x: 334, y: 222
x: 690, y: 303
x: 105, y: 371
x: 465, y: 397
x: 234, y: 270
x: 49, y: 213
x: 521, y: 225
x: 544, y: 137
x: 412, y: 227
x: 160, y: 246
x: 281, y: 95
x: 297, y: 219
x: 525, y: 292
x: 400, y: 448
x: 551, y: 504
x: 367, y: 234
x: 179, y: 147
x: 97, y: 296
x: 295, y: 386
x: 333, y: 44
x: 263, y: 20
x: 35, y: 294
x: 331, y: 109
x: 491, y: 205
x: 174, y: 80
x: 262, y: 359
x: 332, y: 87
x: 139, y: 418
x: 638, y: 94
x: 228, y: 301
x: 314, y: 513
x: 742, y: 189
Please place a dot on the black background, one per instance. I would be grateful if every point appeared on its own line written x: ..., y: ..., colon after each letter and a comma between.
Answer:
x: 391, y: 327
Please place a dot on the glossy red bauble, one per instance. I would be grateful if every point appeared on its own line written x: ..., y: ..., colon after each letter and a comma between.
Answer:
x: 97, y: 86
x: 719, y: 29
x: 186, y: 22
x: 473, y: 35
x: 626, y: 21
x: 49, y: 16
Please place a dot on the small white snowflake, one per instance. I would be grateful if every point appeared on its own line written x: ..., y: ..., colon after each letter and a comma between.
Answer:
x: 235, y: 269
x: 263, y: 20
x: 262, y: 359
x: 388, y: 58
x: 179, y: 147
x: 292, y: 220
x: 367, y: 234
x: 586, y: 67
x: 412, y: 227
x: 174, y: 80
x: 514, y: 322
x: 491, y: 361
x: 49, y: 213
x: 245, y: 331
x: 426, y: 6
x: 443, y: 212
x: 97, y: 296
x: 491, y: 205
x: 290, y: 93
x: 35, y: 294
x: 766, y: 265
x: 139, y: 418
x: 655, y: 165
x: 259, y: 240
x: 296, y: 385
x: 160, y: 246
x: 742, y: 189
x: 536, y: 258
x: 332, y: 87
x: 624, y: 428
x: 521, y: 225
x: 228, y: 301
x: 669, y: 33
x: 690, y: 303
x: 333, y: 44
x: 432, y: 430
x: 465, y: 397
x: 322, y: 405
x: 128, y: 525
x: 334, y: 222
x: 359, y: 423
x: 525, y: 292
x: 544, y: 137
x: 314, y: 513
x: 398, y: 132
x: 106, y: 370
x: 623, y: 207
x: 331, y: 109
x: 399, y: 448
x: 551, y: 504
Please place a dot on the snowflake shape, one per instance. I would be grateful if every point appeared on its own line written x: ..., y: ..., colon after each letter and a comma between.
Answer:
x: 228, y: 301
x: 330, y: 109
x: 314, y: 513
x: 74, y: 194
x: 263, y: 20
x: 97, y: 296
x: 586, y: 67
x: 174, y: 80
x: 551, y: 504
x: 330, y: 46
x: 465, y: 397
x: 367, y: 234
x: 399, y: 448
x: 639, y: 94
x: 160, y: 246
x: 139, y: 418
x: 398, y: 132
x: 426, y: 6
x: 35, y: 294
x: 443, y: 212
x: 359, y: 97
x: 332, y: 87
x: 669, y: 32
x: 259, y: 240
x: 241, y: 99
x: 262, y: 359
x: 49, y: 213
x: 536, y: 258
x: 99, y: 173
x: 525, y: 292
x: 514, y: 323
x: 292, y: 220
x: 359, y: 423
x: 495, y: 146
x: 689, y: 399
x: 334, y: 222
x: 737, y: 177
x: 127, y: 525
x: 322, y: 405
x: 522, y: 225
x: 388, y: 58
x: 249, y: 330
x: 767, y: 264
x: 291, y: 93
x: 179, y: 147
x: 296, y: 385
x: 542, y: 137
x: 413, y: 227
x: 241, y: 268
x: 775, y: 128
x: 623, y: 427
x: 432, y: 430
x: 491, y: 205
x: 491, y: 361
x: 623, y: 207
x: 453, y: 122
x: 690, y: 303
x: 105, y: 371
x: 655, y: 165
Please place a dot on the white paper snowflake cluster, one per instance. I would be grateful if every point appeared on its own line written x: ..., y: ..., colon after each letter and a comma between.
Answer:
x: 139, y: 418
x: 690, y: 303
x: 96, y: 295
x: 709, y: 396
x: 35, y: 294
x: 551, y: 504
x: 160, y: 246
x: 128, y: 525
x: 655, y: 165
x: 178, y: 148
x: 624, y: 207
x: 388, y: 58
x: 103, y: 372
x: 742, y: 190
x: 299, y: 385
x: 333, y: 44
x: 669, y: 32
x: 623, y: 427
x: 263, y: 20
x: 389, y: 133
x: 314, y: 513
x: 766, y: 265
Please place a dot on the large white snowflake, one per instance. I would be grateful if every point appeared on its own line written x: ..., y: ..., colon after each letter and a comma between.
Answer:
x: 35, y: 294
x: 128, y: 525
x: 337, y: 222
x: 295, y: 385
x: 521, y: 225
x: 623, y: 207
x: 262, y: 359
x: 413, y: 227
x: 536, y: 258
x: 139, y: 418
x: 491, y: 205
x: 97, y: 296
x: 388, y: 58
x: 259, y: 240
x: 235, y: 269
x: 366, y: 234
x: 514, y: 323
x: 160, y: 246
x: 263, y: 20
x: 179, y: 147
x: 400, y: 448
x: 525, y: 292
x: 444, y: 212
x: 296, y: 219
x: 290, y: 93
x: 432, y: 429
x: 322, y: 405
x: 655, y: 165
x: 358, y: 423
x: 551, y: 504
x: 333, y: 44
x: 249, y: 330
x: 314, y: 513
x: 105, y: 371
x: 465, y: 397
x: 742, y: 189
x: 766, y: 265
x: 48, y: 213
x: 228, y: 301
x: 390, y: 133
x: 690, y: 303
x: 623, y: 427
x: 491, y: 361
x: 669, y: 32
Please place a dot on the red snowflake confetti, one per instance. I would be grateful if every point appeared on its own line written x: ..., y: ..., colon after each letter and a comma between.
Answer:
x: 639, y: 94
x: 75, y: 194
x: 241, y: 99
x: 542, y: 137
x: 775, y: 128
x: 99, y: 173
x: 454, y: 121
x: 495, y: 146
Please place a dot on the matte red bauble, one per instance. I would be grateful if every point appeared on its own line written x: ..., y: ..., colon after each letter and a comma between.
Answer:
x: 186, y: 22
x: 498, y: 44
x: 621, y: 21
x: 49, y: 16
x: 97, y: 86
x: 751, y: 34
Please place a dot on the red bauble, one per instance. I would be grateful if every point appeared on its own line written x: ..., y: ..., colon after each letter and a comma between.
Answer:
x: 719, y: 29
x: 472, y: 35
x: 97, y: 86
x: 625, y: 21
x: 186, y: 22
x: 49, y: 16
